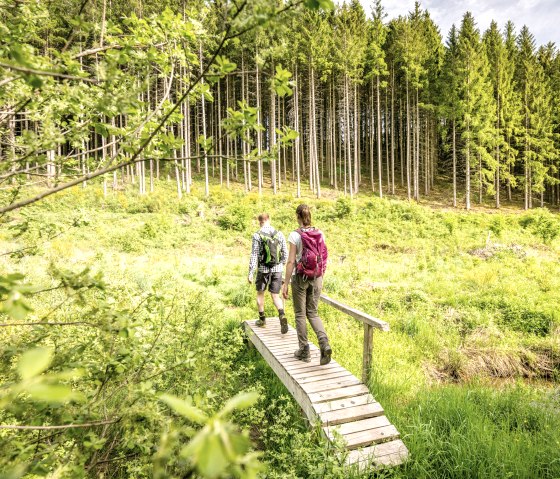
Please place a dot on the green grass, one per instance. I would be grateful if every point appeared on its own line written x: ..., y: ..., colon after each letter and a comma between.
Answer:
x: 468, y: 373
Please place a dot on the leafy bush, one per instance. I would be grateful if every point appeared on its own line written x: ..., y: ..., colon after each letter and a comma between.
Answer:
x: 146, y: 204
x: 235, y: 217
x: 520, y: 318
x: 497, y: 225
x: 241, y: 296
x: 343, y: 207
x: 542, y: 223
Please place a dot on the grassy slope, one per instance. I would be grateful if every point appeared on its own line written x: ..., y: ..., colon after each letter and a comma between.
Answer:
x: 465, y: 329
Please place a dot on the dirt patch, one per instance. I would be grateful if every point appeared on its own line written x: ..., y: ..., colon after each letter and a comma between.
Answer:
x: 492, y: 250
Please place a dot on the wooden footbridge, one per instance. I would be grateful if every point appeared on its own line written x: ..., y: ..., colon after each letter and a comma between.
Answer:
x: 331, y: 395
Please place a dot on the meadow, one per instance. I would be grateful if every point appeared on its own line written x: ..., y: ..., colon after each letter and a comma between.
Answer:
x: 468, y: 373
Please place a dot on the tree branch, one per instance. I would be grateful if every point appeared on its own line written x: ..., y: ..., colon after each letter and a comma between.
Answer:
x: 31, y: 71
x: 76, y: 323
x: 64, y: 426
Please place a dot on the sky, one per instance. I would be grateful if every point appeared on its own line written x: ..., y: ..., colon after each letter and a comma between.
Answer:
x: 541, y: 16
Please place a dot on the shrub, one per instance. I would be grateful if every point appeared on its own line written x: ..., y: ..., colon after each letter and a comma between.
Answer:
x: 241, y: 296
x: 343, y: 207
x: 497, y: 225
x: 542, y: 223
x: 236, y: 218
x: 520, y: 318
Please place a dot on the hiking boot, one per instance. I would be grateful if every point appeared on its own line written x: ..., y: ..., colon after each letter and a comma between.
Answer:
x: 303, y: 354
x: 283, y: 324
x: 260, y: 322
x: 326, y: 353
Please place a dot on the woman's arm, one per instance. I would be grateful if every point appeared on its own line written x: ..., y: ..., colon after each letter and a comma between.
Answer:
x: 289, y: 270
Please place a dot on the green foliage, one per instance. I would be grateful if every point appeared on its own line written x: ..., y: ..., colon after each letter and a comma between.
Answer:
x: 498, y: 225
x: 323, y: 4
x: 158, y: 346
x: 281, y: 81
x: 235, y: 217
x: 13, y: 296
x: 343, y: 207
x: 484, y: 425
x: 542, y: 224
x: 528, y: 320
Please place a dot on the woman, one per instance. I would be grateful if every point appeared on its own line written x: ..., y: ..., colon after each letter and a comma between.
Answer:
x: 307, y: 259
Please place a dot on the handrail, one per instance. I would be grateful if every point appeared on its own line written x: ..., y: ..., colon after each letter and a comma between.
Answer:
x: 359, y: 315
x: 369, y: 324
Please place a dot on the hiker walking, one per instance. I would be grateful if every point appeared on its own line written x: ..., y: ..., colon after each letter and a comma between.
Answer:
x: 269, y: 253
x: 307, y: 259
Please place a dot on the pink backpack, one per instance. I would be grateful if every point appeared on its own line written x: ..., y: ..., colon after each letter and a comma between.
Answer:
x: 314, y: 254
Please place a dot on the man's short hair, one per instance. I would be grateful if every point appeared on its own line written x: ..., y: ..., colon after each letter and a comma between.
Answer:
x: 263, y: 217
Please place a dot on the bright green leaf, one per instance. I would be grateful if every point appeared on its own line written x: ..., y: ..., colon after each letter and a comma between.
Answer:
x: 240, y: 401
x: 184, y: 408
x: 53, y: 393
x: 34, y: 362
x: 212, y: 460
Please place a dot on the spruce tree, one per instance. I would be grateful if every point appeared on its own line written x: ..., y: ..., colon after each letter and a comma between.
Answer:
x: 476, y: 111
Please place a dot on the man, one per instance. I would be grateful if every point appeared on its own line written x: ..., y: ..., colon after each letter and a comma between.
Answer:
x: 269, y: 253
x: 307, y: 259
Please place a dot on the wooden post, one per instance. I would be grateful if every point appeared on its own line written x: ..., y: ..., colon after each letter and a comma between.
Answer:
x: 368, y: 349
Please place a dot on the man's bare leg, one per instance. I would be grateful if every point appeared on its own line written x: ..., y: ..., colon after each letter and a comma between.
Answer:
x: 260, y: 306
x: 280, y: 307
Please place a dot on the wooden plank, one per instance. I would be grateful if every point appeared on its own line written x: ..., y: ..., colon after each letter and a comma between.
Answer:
x: 300, y: 366
x: 322, y: 375
x: 356, y: 426
x: 343, y: 403
x: 353, y: 413
x: 327, y: 368
x: 361, y: 316
x: 372, y: 454
x: 330, y: 384
x: 288, y: 356
x: 338, y: 393
x: 274, y: 333
x: 281, y: 346
x: 300, y: 373
x: 368, y: 348
x: 371, y: 436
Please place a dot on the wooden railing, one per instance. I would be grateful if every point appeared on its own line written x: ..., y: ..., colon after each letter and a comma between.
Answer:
x: 370, y: 323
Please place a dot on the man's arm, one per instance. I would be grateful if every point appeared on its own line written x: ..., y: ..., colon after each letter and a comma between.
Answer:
x: 254, y: 258
x: 289, y: 270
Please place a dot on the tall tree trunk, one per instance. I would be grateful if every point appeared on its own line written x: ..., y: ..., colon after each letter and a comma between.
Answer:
x: 347, y: 137
x: 407, y: 140
x: 392, y: 131
x: 259, y: 133
x: 314, y: 137
x: 202, y: 105
x: 454, y: 147
x: 371, y: 142
x: 417, y: 163
x: 379, y: 162
x: 386, y: 127
x: 298, y: 139
x: 356, y: 142
x: 272, y: 137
